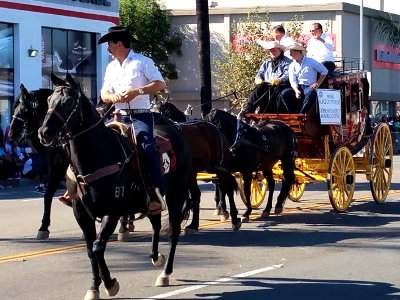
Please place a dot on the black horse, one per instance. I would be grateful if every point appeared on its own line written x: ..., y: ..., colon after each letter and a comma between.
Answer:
x: 110, y: 179
x: 210, y: 153
x: 29, y: 112
x: 258, y: 149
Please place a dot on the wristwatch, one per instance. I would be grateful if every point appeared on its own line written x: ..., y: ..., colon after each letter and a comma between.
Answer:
x: 140, y: 91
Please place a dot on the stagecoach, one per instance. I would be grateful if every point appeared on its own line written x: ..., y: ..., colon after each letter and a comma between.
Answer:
x: 335, y: 143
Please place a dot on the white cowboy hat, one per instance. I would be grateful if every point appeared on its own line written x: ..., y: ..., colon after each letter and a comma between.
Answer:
x: 296, y: 46
x: 268, y: 45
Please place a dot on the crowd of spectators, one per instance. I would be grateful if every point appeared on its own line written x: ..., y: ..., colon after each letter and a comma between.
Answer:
x: 19, y: 160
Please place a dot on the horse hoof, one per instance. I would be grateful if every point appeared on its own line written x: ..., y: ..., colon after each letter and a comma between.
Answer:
x: 224, y: 216
x: 236, y: 226
x: 131, y: 227
x: 92, y: 295
x: 245, y: 219
x: 43, y: 235
x: 162, y: 280
x: 190, y: 230
x: 159, y: 262
x: 112, y: 291
x: 278, y: 210
x: 265, y: 214
x: 123, y: 236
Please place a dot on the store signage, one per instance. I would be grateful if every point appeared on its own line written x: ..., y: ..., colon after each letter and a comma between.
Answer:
x: 386, y: 57
x: 96, y: 2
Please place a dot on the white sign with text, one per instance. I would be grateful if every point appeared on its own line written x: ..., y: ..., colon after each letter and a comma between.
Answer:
x: 329, y: 103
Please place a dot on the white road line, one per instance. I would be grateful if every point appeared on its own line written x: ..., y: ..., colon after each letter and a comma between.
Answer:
x: 206, y: 284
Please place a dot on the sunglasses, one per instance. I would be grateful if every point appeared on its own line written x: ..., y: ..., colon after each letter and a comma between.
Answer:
x: 314, y: 30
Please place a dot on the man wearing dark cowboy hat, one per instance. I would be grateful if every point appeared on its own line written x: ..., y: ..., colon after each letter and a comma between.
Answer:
x: 129, y: 79
x: 270, y: 79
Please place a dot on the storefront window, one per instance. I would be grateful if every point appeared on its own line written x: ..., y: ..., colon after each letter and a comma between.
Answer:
x: 68, y: 51
x: 6, y: 73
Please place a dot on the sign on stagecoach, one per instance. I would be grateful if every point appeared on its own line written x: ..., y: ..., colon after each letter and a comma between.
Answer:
x: 329, y: 103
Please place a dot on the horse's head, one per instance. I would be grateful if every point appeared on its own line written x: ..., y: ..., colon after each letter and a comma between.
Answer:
x: 29, y: 110
x: 225, y: 122
x: 65, y: 115
x: 169, y: 110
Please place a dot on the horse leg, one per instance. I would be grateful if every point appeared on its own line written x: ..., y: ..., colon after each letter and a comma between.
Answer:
x: 195, y: 197
x: 229, y: 185
x: 89, y: 231
x: 220, y: 202
x: 123, y: 231
x: 175, y: 218
x: 108, y: 225
x: 247, y: 193
x: 131, y: 226
x: 271, y: 188
x: 288, y: 180
x: 53, y: 182
x: 157, y: 259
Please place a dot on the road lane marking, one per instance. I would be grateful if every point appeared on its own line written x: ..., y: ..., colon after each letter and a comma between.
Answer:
x: 215, y: 282
x: 23, y: 256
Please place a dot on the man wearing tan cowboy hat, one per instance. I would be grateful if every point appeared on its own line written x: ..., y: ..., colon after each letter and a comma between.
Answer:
x: 270, y: 79
x: 303, y: 73
x: 129, y: 79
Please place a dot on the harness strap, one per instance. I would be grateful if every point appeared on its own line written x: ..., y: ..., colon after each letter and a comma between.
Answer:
x: 99, y: 173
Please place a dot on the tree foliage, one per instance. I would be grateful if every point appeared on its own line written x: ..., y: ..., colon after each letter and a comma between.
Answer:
x: 150, y: 28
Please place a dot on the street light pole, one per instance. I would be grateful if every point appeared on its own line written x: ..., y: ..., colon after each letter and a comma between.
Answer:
x: 361, y: 35
x: 203, y: 34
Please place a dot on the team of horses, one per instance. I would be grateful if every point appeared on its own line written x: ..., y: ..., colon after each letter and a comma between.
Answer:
x: 106, y: 167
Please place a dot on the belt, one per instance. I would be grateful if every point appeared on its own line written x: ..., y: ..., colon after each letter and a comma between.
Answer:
x: 137, y: 111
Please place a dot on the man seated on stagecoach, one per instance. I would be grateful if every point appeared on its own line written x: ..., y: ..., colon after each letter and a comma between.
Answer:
x: 303, y: 78
x: 129, y: 79
x: 271, y: 79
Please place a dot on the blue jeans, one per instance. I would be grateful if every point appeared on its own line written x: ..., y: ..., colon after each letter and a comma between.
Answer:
x: 143, y: 125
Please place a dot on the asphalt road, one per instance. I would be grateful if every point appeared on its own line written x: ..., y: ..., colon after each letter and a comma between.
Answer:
x: 307, y: 253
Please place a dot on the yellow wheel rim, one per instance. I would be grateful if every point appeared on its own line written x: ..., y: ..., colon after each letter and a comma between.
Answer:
x: 341, y: 183
x: 381, y: 163
x: 258, y: 190
x: 296, y: 191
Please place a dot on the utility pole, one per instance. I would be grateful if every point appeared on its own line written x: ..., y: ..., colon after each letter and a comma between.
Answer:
x: 203, y: 34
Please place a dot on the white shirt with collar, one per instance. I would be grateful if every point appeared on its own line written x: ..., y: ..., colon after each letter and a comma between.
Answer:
x: 320, y: 51
x: 135, y: 71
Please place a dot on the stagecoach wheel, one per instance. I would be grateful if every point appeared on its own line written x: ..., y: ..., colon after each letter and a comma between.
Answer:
x: 296, y: 191
x: 258, y: 189
x: 381, y: 158
x: 341, y: 179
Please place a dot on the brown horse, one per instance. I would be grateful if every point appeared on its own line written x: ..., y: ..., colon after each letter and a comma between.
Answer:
x: 210, y: 153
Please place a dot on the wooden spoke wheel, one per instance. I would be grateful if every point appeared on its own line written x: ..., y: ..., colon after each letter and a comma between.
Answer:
x: 381, y: 163
x: 296, y: 191
x: 341, y: 179
x: 258, y: 189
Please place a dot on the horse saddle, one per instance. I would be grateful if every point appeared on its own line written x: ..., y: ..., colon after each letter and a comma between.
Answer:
x: 163, y: 145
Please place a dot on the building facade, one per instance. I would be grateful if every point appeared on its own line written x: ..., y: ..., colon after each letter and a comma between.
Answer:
x: 40, y: 37
x: 340, y: 20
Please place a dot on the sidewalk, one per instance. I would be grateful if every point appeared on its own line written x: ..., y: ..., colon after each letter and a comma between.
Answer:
x: 23, y: 189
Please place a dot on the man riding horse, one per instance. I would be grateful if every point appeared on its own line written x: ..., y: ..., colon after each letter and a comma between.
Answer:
x: 129, y: 79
